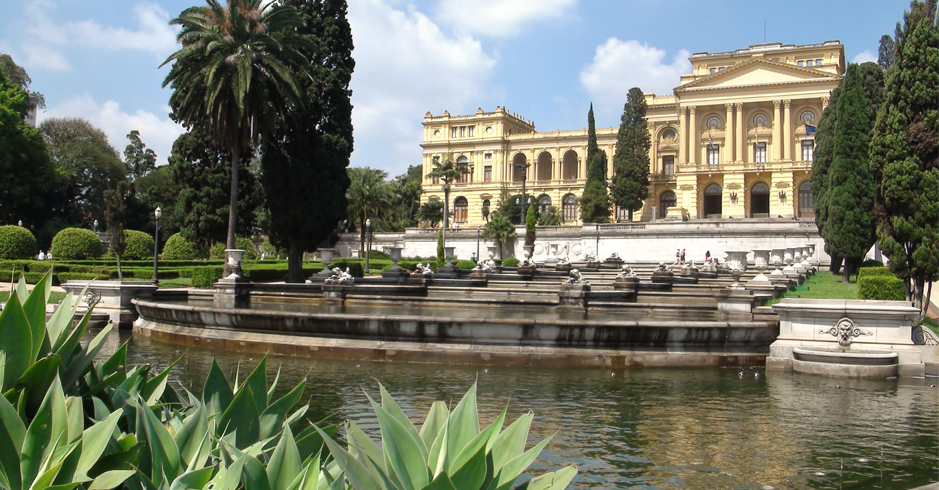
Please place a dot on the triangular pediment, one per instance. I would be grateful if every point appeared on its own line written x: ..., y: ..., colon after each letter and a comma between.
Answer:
x: 758, y: 72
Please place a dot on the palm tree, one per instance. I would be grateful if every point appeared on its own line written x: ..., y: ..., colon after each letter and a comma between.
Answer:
x: 369, y: 196
x: 500, y: 229
x: 231, y: 74
x: 446, y: 171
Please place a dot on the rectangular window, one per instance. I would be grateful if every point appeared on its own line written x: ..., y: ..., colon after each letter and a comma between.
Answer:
x: 487, y: 173
x: 487, y: 156
x: 622, y: 214
x: 713, y: 70
x: 759, y: 152
x: 818, y: 62
x: 801, y: 63
x: 454, y: 131
x: 720, y: 69
x: 714, y: 155
x: 471, y: 128
x: 435, y: 161
x: 808, y: 150
x: 809, y: 62
x: 668, y: 165
x: 462, y: 131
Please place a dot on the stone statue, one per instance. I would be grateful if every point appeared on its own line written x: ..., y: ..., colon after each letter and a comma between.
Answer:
x: 576, y: 279
x: 626, y: 271
x: 423, y: 270
x: 340, y: 277
x: 662, y: 267
x: 484, y: 266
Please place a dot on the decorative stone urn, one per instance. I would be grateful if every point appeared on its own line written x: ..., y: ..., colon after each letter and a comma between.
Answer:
x: 776, y: 256
x: 789, y: 255
x: 737, y: 259
x: 326, y: 257
x: 526, y: 268
x: 761, y: 258
x: 448, y: 270
x: 395, y: 272
x: 234, y: 262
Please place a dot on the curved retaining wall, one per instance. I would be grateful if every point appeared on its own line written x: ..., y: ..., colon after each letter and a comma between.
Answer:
x: 560, y: 343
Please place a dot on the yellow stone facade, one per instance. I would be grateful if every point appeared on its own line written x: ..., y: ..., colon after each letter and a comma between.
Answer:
x: 732, y: 141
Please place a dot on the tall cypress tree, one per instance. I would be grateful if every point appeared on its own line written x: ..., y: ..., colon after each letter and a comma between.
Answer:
x: 631, y: 159
x: 821, y: 165
x: 304, y: 170
x: 595, y: 202
x: 905, y: 155
x: 850, y: 227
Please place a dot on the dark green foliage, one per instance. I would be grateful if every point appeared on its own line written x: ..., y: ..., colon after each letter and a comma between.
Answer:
x: 157, y: 189
x: 408, y: 192
x: 873, y: 271
x: 202, y: 171
x: 595, y: 202
x: 550, y: 217
x: 905, y: 155
x: 139, y: 245
x: 441, y: 257
x: 510, y: 262
x: 500, y: 229
x: 217, y: 251
x: 885, y: 52
x: 630, y: 184
x: 114, y: 215
x: 369, y: 197
x: 872, y: 82
x: 304, y: 167
x: 530, y: 221
x: 178, y: 248
x: 139, y: 159
x: 205, y: 277
x: 884, y: 287
x: 76, y: 243
x: 850, y: 226
x: 821, y: 165
x: 30, y: 185
x: 465, y: 265
x: 17, y: 75
x: 356, y: 269
x: 431, y: 213
x: 16, y: 242
x: 90, y: 165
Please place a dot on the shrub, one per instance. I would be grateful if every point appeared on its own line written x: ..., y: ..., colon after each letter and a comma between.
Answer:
x: 17, y: 242
x: 205, y: 277
x: 873, y: 271
x: 178, y: 248
x: 510, y: 262
x: 872, y: 263
x: 465, y: 265
x: 81, y: 276
x: 881, y: 287
x: 355, y: 268
x: 76, y: 244
x: 265, y: 274
x: 139, y: 245
x: 218, y: 250
x: 378, y: 254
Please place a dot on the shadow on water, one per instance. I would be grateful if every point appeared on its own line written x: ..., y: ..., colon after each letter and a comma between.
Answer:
x: 644, y: 428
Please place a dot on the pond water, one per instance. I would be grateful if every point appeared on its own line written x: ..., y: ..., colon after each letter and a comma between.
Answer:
x: 645, y: 428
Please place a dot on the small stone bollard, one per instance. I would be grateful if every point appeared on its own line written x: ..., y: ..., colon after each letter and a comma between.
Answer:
x: 335, y: 294
x: 663, y: 275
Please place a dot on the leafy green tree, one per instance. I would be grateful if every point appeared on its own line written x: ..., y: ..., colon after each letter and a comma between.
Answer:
x: 630, y: 185
x: 905, y: 155
x: 821, y: 164
x: 850, y: 227
x: 139, y: 159
x: 500, y: 229
x: 369, y: 197
x: 430, y: 212
x: 158, y: 190
x: 17, y: 75
x: 199, y: 169
x: 885, y: 52
x: 550, y: 217
x: 90, y: 165
x: 531, y: 220
x: 304, y: 167
x: 408, y: 192
x: 114, y: 217
x: 595, y: 202
x: 30, y: 185
x: 232, y: 76
x: 872, y: 83
x: 441, y: 253
x: 447, y: 171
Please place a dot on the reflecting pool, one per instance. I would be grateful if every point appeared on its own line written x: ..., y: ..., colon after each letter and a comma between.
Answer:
x: 646, y: 428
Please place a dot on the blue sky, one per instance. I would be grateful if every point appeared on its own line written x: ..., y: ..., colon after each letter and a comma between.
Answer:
x: 544, y: 59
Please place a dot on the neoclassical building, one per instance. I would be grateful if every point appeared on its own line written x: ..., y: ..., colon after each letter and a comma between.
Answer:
x: 734, y: 139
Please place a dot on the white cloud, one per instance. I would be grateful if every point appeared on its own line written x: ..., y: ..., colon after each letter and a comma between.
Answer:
x: 500, y: 18
x: 157, y: 131
x: 42, y: 56
x: 864, y: 56
x: 405, y: 66
x: 620, y: 65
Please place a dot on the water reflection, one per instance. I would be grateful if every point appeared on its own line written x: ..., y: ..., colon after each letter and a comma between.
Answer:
x: 649, y: 428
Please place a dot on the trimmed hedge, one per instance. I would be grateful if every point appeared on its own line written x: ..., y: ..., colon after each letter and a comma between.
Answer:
x: 139, y: 245
x: 881, y: 287
x: 510, y: 262
x: 76, y: 243
x: 874, y: 271
x: 356, y: 269
x: 81, y: 276
x: 205, y: 277
x: 466, y: 265
x: 178, y: 248
x: 17, y: 242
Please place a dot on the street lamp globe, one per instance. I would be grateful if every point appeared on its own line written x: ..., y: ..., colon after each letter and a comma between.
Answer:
x: 158, y: 212
x: 20, y: 223
x: 368, y: 222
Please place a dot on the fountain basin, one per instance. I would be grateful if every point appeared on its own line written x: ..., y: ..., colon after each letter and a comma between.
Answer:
x: 851, y: 363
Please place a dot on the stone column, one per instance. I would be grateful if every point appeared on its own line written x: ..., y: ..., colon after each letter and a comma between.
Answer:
x: 682, y: 135
x: 729, y: 135
x: 787, y: 131
x: 777, y: 131
x: 653, y: 151
x: 693, y: 138
x: 741, y: 153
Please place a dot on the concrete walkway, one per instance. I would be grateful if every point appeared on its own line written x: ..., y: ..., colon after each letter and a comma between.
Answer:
x: 931, y: 486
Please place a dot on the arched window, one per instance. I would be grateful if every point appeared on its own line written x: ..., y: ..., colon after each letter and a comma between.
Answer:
x: 486, y: 209
x: 544, y: 202
x: 667, y: 200
x: 806, y: 199
x: 462, y: 163
x: 460, y: 210
x: 760, y: 120
x: 759, y: 200
x: 544, y: 166
x: 669, y: 134
x: 520, y: 168
x: 714, y: 123
x: 569, y: 165
x: 712, y: 201
x: 569, y: 204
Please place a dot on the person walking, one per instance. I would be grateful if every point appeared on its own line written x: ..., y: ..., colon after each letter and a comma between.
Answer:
x: 682, y: 256
x: 677, y: 256
x: 707, y: 256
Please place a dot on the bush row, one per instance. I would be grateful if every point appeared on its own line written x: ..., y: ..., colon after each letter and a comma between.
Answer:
x: 17, y: 242
x: 884, y: 287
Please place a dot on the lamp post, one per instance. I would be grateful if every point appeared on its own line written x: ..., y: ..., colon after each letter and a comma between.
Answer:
x: 524, y: 167
x: 478, y: 229
x: 368, y: 228
x: 597, y: 251
x: 95, y: 225
x: 20, y: 223
x: 156, y: 245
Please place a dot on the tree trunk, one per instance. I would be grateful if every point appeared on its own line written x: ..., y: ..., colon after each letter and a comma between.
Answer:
x: 850, y: 265
x: 294, y: 263
x: 918, y: 291
x: 630, y: 219
x: 835, y: 267
x: 120, y: 274
x: 232, y: 205
x: 501, y: 253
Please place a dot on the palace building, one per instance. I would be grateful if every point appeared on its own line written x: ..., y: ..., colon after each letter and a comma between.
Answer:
x: 734, y: 140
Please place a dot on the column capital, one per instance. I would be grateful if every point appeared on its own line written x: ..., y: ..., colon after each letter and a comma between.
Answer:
x: 692, y: 109
x: 739, y: 107
x: 729, y: 107
x: 682, y: 110
x: 824, y: 102
x: 788, y: 102
x: 776, y: 104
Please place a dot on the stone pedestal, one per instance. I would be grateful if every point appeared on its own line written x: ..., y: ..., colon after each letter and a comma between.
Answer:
x: 335, y: 294
x: 112, y: 298
x: 563, y: 267
x: 420, y: 279
x: 395, y: 272
x: 232, y: 293
x: 660, y: 276
x: 573, y: 296
x: 734, y: 304
x: 593, y: 264
x: 479, y: 275
x: 527, y: 272
x: 614, y: 262
x: 627, y: 284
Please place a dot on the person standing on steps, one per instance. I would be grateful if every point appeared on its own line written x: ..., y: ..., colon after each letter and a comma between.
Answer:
x: 682, y: 256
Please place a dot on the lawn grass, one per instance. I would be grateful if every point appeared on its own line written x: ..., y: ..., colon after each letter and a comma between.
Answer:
x: 822, y: 285
x: 179, y: 282
x: 54, y: 297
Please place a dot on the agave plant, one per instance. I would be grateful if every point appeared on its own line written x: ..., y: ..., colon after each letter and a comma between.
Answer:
x: 449, y: 452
